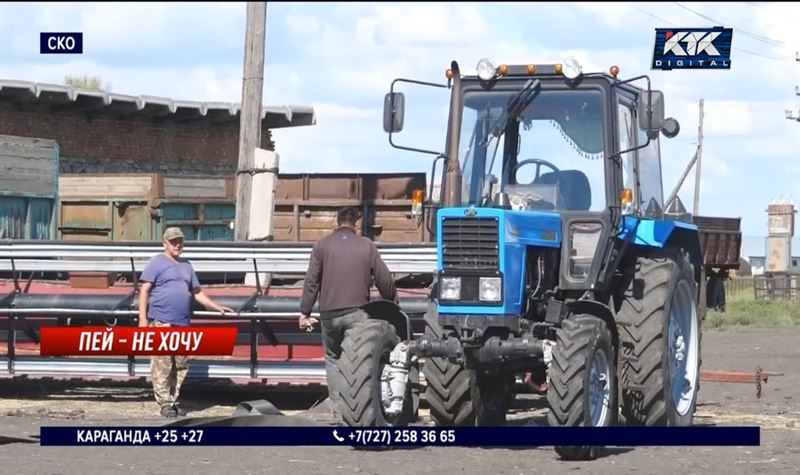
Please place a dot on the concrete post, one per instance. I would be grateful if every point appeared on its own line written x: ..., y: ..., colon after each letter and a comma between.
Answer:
x: 262, y: 205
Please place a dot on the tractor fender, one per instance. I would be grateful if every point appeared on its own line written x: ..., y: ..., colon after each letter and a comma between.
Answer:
x: 668, y: 235
x: 392, y: 313
x: 688, y: 240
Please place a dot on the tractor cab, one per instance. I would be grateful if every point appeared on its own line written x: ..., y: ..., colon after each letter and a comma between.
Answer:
x: 542, y: 162
x: 547, y: 138
x: 545, y: 156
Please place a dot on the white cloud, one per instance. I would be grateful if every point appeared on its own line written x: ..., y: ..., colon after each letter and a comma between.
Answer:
x: 715, y: 166
x: 727, y: 117
x: 614, y: 14
x: 335, y: 112
x: 778, y: 22
x: 302, y: 25
x: 425, y: 24
x: 128, y: 28
x: 198, y: 83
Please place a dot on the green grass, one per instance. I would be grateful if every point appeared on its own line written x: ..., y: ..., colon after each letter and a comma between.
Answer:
x: 746, y: 311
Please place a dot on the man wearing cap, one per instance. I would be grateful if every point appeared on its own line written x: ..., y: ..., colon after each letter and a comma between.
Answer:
x: 168, y: 284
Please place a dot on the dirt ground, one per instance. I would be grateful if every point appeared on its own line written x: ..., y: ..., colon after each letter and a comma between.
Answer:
x: 27, y: 405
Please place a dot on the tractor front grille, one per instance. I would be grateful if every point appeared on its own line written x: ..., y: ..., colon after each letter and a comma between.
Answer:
x: 470, y: 243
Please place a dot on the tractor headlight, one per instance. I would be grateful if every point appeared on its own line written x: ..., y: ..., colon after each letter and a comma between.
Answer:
x: 490, y: 289
x: 486, y: 69
x: 572, y: 68
x: 450, y: 288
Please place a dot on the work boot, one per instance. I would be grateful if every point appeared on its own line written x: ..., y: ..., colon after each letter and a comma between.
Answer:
x: 336, y: 417
x: 179, y: 410
x: 169, y: 412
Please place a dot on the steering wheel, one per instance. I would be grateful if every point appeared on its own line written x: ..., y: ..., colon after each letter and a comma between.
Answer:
x: 539, y: 162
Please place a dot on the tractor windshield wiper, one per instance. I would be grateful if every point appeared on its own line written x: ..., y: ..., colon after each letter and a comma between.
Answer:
x: 516, y: 105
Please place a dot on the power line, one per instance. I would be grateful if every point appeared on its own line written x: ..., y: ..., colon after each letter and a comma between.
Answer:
x: 782, y: 15
x: 766, y: 56
x: 763, y: 39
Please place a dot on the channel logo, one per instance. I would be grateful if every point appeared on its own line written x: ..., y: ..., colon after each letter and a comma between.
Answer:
x: 60, y: 43
x: 692, y: 48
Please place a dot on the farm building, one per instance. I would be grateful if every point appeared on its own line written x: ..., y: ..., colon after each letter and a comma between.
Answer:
x: 101, y: 132
x: 68, y: 158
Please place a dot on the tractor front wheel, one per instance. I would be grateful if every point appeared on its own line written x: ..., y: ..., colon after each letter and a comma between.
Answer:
x: 365, y: 354
x: 582, y: 390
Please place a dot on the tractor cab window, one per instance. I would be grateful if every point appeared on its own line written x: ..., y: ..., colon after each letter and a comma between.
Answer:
x: 549, y: 158
x: 626, y: 125
x: 652, y: 193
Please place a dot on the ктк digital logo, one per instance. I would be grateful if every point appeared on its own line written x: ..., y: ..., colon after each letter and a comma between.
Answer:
x: 693, y: 48
x: 60, y: 43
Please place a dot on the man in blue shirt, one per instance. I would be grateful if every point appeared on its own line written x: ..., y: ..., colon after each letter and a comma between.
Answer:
x: 165, y: 299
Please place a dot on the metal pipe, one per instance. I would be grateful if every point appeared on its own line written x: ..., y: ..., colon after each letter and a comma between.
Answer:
x: 157, y: 247
x: 198, y: 368
x: 263, y: 306
x: 122, y: 313
x: 677, y: 188
x: 411, y: 264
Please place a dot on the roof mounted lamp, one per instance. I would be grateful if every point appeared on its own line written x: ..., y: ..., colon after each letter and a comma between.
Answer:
x: 571, y: 68
x: 486, y: 69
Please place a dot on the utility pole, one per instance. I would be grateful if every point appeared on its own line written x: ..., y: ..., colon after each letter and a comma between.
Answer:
x: 789, y: 114
x: 250, y: 115
x: 699, y: 156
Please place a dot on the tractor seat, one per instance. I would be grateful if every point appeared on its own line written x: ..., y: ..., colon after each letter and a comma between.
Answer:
x: 573, y: 186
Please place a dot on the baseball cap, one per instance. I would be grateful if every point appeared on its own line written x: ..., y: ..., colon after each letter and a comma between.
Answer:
x: 173, y: 233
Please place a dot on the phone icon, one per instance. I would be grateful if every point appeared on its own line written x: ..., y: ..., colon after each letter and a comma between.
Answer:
x: 336, y: 436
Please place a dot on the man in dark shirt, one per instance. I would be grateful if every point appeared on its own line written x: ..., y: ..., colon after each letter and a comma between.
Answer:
x: 341, y: 270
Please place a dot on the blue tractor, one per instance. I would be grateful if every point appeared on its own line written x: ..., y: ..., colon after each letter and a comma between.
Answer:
x: 556, y: 257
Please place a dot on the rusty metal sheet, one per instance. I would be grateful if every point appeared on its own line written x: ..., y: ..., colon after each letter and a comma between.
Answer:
x: 24, y: 217
x: 359, y: 187
x: 133, y: 222
x: 720, y: 240
x: 85, y: 220
x: 103, y: 220
x: 382, y: 223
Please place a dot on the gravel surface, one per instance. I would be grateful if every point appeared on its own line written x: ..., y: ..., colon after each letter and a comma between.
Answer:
x: 26, y: 405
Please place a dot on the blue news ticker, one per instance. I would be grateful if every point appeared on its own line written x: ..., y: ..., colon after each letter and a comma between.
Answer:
x: 404, y: 436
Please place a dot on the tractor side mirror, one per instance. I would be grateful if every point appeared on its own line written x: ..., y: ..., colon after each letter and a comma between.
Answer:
x: 393, y: 112
x: 671, y: 128
x: 651, y: 111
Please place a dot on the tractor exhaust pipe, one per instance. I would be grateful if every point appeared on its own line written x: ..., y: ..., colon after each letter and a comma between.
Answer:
x: 452, y: 185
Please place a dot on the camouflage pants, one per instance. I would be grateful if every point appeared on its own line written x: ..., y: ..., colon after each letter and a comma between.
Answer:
x: 167, y: 373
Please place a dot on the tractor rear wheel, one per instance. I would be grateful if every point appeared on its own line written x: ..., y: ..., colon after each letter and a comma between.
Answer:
x: 365, y: 352
x: 582, y: 388
x: 660, y: 334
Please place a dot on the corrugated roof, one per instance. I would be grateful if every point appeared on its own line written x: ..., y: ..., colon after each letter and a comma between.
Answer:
x: 67, y: 98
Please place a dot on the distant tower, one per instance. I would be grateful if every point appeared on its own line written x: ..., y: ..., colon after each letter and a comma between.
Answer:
x: 780, y: 226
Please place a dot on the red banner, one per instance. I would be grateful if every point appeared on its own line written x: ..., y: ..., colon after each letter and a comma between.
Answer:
x: 136, y: 341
